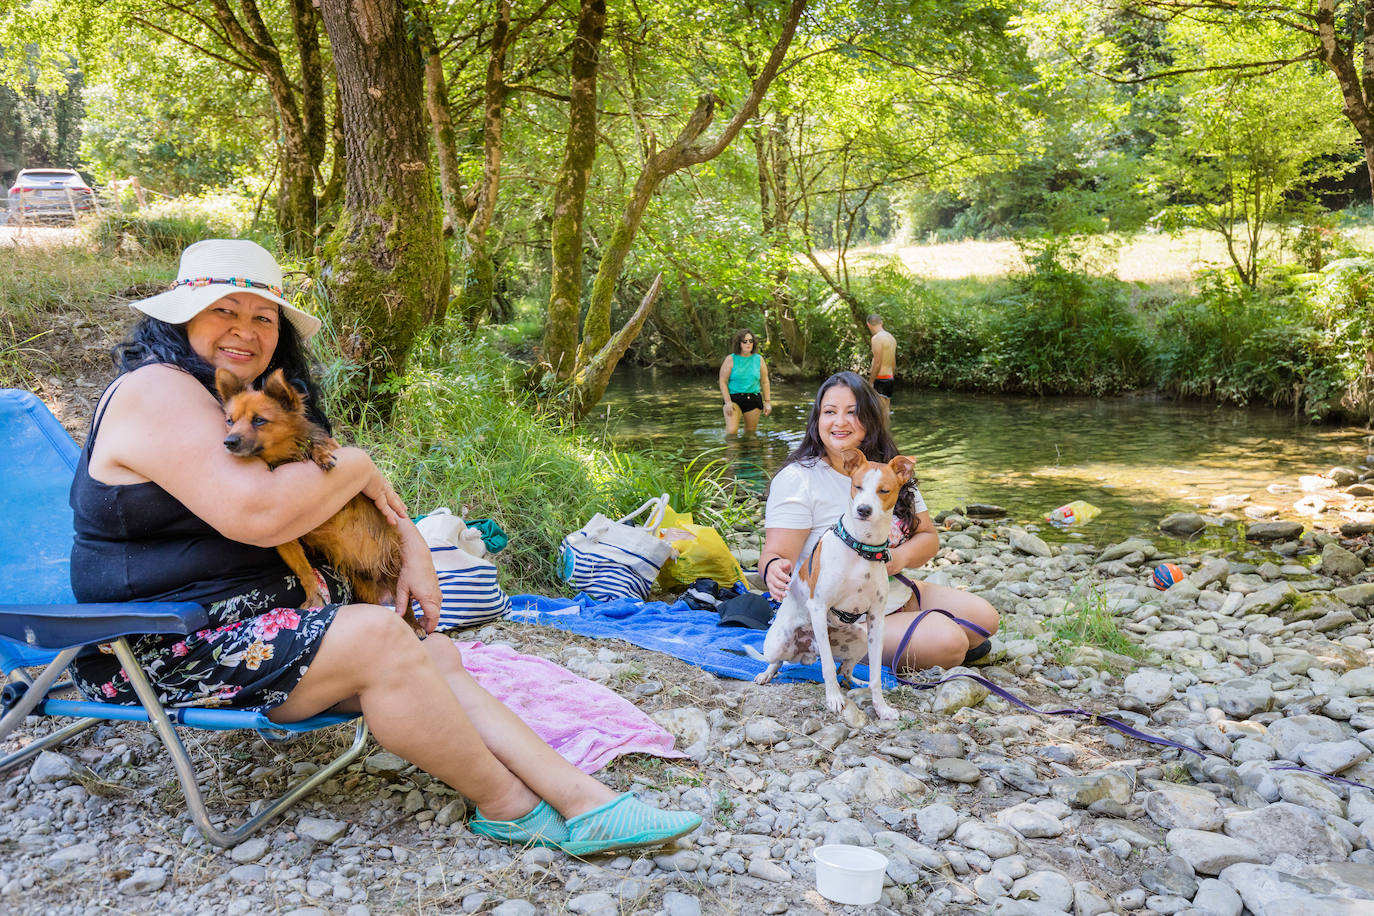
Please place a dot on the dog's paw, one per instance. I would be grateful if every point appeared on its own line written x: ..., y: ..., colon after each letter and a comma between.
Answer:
x: 762, y: 678
x: 883, y: 711
x: 835, y: 702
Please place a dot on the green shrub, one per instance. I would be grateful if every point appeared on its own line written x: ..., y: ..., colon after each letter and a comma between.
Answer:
x: 168, y: 226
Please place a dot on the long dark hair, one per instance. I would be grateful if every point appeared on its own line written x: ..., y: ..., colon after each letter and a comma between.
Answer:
x: 153, y: 340
x: 737, y: 342
x: 878, y: 444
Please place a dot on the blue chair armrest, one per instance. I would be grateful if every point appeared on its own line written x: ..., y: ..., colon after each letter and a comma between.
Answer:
x: 62, y: 626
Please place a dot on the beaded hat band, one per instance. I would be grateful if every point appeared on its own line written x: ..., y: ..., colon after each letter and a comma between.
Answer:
x: 229, y: 281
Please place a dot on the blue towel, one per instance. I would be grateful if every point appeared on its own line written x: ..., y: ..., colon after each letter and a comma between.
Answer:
x: 673, y: 629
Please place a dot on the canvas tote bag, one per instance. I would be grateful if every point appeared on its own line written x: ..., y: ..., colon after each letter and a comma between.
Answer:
x: 609, y: 559
x: 470, y: 592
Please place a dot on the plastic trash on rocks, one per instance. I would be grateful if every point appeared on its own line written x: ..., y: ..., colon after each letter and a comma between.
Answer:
x: 1077, y: 512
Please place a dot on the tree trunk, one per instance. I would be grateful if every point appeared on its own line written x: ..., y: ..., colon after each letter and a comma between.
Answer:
x: 570, y: 191
x: 680, y: 154
x: 693, y: 318
x: 592, y: 379
x: 456, y: 211
x: 775, y: 212
x: 296, y: 193
x: 1333, y: 52
x: 387, y: 254
x: 479, y: 276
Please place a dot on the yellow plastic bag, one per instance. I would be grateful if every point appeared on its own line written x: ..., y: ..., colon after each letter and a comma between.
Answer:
x: 701, y: 553
x: 1077, y: 512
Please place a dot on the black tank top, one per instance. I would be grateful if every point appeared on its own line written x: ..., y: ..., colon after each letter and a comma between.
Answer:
x: 135, y: 542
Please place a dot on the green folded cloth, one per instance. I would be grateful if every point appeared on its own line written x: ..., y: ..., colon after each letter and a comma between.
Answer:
x: 492, y: 535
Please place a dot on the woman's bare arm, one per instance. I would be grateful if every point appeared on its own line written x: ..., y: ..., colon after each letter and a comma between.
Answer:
x: 784, y: 544
x: 162, y: 425
x: 917, y: 551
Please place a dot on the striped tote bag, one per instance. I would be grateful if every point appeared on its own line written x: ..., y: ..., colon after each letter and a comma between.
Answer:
x: 609, y: 559
x: 471, y: 595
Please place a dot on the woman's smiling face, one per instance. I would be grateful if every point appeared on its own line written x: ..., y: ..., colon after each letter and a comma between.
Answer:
x: 238, y: 332
x: 838, y: 423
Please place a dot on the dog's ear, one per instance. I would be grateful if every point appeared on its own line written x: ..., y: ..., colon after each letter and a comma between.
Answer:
x: 279, y: 389
x: 853, y: 460
x: 901, y: 466
x: 228, y: 384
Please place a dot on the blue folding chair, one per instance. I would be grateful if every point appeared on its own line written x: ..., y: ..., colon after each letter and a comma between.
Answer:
x: 48, y: 627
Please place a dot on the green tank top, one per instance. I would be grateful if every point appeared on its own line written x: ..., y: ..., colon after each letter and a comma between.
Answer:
x: 744, y: 374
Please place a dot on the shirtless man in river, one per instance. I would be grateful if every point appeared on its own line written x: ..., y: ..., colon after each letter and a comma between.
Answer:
x: 884, y: 361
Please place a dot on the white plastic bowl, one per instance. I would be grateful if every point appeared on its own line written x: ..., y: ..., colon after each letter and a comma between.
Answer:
x: 850, y: 874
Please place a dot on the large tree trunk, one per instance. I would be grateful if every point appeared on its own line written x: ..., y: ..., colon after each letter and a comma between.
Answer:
x: 593, y: 378
x: 775, y: 211
x: 387, y: 254
x: 570, y: 191
x: 479, y: 275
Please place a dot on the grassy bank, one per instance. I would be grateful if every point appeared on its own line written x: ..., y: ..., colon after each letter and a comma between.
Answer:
x: 1062, y: 325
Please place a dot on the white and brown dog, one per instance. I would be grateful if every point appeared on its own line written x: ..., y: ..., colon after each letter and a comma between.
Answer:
x: 843, y: 581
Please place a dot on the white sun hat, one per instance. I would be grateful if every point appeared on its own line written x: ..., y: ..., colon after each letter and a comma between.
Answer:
x: 213, y: 269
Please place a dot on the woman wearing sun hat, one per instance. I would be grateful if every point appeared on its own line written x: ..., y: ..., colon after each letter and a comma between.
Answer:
x: 164, y: 513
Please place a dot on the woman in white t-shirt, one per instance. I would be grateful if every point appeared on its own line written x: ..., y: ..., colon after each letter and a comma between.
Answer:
x: 810, y: 493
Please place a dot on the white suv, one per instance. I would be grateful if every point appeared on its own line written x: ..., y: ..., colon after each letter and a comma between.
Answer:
x: 49, y: 194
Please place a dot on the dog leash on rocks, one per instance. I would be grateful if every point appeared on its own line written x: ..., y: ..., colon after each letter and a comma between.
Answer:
x: 1005, y: 694
x: 1120, y: 726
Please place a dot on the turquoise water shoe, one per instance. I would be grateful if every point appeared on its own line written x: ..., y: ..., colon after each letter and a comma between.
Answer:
x: 626, y: 823
x: 543, y: 826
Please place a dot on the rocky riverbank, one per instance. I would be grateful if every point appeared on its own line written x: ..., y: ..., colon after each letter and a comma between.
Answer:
x: 1259, y: 659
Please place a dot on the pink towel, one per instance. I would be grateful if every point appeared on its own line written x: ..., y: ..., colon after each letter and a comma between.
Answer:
x: 588, y: 724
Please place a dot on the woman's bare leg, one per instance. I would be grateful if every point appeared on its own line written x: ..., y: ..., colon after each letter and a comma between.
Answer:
x: 570, y: 791
x: 731, y: 419
x: 937, y: 640
x: 371, y: 661
x: 751, y: 420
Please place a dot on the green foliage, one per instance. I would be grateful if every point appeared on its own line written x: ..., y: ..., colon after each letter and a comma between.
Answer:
x: 462, y: 435
x: 1088, y: 621
x: 166, y: 227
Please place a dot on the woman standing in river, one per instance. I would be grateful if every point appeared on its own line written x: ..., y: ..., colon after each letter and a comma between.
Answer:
x: 744, y: 384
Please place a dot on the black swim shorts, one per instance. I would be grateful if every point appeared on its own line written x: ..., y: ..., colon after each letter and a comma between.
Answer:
x: 883, y: 386
x: 748, y: 400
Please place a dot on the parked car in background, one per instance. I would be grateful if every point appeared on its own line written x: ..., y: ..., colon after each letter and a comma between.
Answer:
x: 39, y: 194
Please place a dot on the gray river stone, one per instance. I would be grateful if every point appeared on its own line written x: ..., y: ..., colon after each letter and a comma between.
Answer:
x: 1361, y: 595
x: 995, y: 841
x: 51, y: 767
x: 1285, y: 735
x: 1243, y: 697
x: 1026, y: 542
x: 1269, y: 892
x: 957, y: 694
x: 1150, y: 687
x: 1216, y: 898
x: 1082, y: 791
x: 1333, y: 756
x: 1212, y: 571
x: 936, y: 821
x: 1272, y: 531
x: 1339, y: 563
x: 1210, y: 853
x: 1030, y: 821
x: 1288, y: 829
x: 1183, y: 524
x: 1049, y: 889
x: 1184, y: 806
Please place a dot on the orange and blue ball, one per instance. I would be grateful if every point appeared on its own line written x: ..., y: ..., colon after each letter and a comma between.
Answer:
x: 1165, y: 575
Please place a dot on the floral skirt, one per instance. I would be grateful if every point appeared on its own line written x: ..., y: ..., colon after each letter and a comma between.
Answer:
x: 252, y: 655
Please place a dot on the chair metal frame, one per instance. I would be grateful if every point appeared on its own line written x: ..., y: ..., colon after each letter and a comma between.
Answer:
x: 48, y: 635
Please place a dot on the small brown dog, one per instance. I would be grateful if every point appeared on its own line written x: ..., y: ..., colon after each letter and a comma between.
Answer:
x: 357, y: 541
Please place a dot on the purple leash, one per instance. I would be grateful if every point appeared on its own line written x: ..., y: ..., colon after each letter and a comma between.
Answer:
x: 1108, y: 721
x: 1003, y: 692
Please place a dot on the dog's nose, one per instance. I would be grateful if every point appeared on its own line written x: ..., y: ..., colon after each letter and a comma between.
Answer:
x: 863, y: 511
x: 233, y: 441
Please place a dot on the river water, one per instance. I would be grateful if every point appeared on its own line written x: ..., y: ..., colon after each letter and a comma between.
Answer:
x: 1136, y: 459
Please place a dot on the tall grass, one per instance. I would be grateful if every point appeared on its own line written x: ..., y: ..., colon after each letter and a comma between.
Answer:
x: 463, y: 435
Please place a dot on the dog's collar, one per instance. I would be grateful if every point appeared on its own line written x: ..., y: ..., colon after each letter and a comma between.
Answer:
x: 878, y: 553
x: 846, y: 616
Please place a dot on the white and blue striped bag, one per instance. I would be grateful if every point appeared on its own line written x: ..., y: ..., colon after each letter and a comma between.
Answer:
x: 610, y: 559
x: 470, y: 592
x: 471, y: 595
